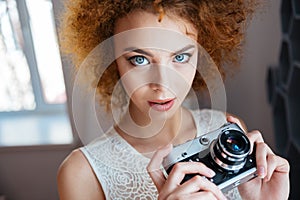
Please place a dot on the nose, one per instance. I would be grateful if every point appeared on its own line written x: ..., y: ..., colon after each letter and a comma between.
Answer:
x: 160, y: 79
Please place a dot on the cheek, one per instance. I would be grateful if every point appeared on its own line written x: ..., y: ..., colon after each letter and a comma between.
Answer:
x: 133, y: 80
x: 188, y: 70
x: 139, y: 95
x: 187, y: 77
x: 187, y: 74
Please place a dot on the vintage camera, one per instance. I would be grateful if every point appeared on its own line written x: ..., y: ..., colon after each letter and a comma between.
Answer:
x: 225, y: 150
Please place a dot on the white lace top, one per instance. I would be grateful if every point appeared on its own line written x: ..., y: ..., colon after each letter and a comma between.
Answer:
x: 121, y: 170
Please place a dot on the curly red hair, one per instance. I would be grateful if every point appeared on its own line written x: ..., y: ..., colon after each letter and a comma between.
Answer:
x: 220, y: 25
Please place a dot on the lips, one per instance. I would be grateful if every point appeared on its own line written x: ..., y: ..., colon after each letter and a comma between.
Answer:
x: 162, y: 105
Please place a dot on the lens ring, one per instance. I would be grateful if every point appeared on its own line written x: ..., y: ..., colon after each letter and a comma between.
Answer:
x: 234, y: 144
x: 225, y: 165
x: 230, y: 150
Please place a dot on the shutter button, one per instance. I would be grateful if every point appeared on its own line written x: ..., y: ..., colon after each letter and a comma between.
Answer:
x: 204, y: 140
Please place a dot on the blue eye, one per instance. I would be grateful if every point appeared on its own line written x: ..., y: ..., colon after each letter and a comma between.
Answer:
x: 182, y: 58
x: 139, y: 60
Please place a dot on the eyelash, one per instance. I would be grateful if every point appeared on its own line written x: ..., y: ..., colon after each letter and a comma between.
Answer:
x: 183, y: 54
x: 133, y: 62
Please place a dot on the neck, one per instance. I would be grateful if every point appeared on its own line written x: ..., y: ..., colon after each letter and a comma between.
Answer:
x: 146, y: 139
x: 177, y: 129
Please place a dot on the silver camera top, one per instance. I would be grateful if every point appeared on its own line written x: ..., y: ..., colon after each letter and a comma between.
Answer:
x: 199, y: 145
x: 225, y: 150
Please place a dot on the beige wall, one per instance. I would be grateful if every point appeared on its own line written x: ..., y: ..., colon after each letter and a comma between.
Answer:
x: 247, y: 95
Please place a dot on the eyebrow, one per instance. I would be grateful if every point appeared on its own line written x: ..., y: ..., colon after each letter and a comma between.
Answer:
x: 141, y: 51
x: 190, y: 46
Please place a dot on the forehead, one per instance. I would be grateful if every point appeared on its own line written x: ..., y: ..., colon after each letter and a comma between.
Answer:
x: 142, y: 19
x: 141, y: 29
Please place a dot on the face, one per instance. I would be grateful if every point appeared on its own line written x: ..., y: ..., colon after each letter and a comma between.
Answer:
x: 156, y: 62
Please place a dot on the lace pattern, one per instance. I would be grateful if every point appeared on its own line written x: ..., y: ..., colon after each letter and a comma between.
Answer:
x: 121, y: 170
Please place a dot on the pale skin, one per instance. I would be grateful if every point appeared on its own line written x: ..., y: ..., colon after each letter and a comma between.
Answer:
x: 76, y: 179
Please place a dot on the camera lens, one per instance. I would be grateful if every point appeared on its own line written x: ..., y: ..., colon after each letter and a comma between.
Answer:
x: 234, y: 142
x: 230, y: 150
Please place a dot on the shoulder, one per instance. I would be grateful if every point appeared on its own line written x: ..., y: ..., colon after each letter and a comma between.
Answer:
x: 210, y: 116
x: 75, y: 162
x: 207, y: 111
x: 207, y: 120
x: 76, y: 179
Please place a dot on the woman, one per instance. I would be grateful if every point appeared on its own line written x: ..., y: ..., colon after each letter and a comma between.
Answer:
x: 158, y: 61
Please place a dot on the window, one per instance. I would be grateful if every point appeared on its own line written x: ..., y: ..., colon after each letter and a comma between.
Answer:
x: 32, y: 91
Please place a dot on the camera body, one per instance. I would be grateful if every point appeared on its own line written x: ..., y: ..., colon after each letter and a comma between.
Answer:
x: 226, y: 151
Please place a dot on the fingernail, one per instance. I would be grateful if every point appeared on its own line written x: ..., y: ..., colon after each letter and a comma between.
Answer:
x: 212, y: 173
x: 261, y: 172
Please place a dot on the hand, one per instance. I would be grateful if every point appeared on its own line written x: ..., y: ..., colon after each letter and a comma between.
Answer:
x: 197, y: 187
x: 272, y: 170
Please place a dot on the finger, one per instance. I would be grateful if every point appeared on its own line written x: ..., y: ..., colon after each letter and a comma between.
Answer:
x: 194, y: 196
x: 202, y: 195
x: 254, y: 137
x: 236, y: 121
x: 182, y: 168
x: 154, y: 166
x: 276, y: 164
x: 262, y: 152
x: 200, y: 183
